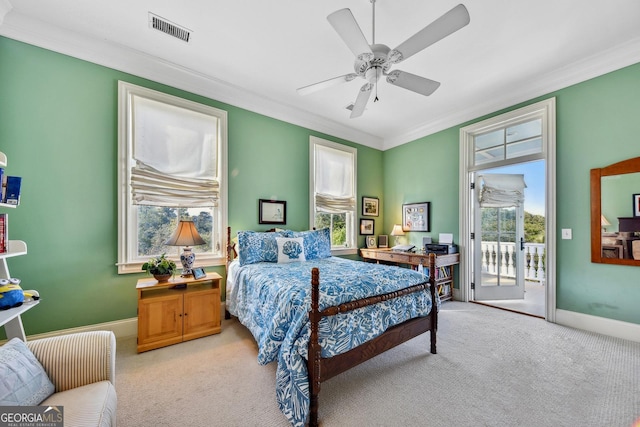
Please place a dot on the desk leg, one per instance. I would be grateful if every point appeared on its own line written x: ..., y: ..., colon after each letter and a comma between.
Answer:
x: 13, y: 328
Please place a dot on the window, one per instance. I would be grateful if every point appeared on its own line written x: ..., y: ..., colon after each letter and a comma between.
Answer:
x: 172, y: 166
x: 333, y: 192
x: 510, y: 142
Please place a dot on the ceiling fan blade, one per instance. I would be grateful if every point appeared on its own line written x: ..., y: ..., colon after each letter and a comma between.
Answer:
x: 412, y: 82
x: 361, y: 100
x: 447, y: 24
x: 347, y: 28
x: 326, y: 84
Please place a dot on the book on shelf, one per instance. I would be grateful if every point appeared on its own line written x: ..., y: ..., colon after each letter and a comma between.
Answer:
x: 4, y: 235
x: 2, y: 185
x: 12, y: 190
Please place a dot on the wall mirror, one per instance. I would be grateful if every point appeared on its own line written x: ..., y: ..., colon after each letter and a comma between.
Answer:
x: 615, y: 213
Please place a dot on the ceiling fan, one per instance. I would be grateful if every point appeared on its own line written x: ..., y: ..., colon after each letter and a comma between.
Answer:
x: 375, y: 60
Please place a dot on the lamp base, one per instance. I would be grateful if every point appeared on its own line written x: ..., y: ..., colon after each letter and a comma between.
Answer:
x: 187, y: 258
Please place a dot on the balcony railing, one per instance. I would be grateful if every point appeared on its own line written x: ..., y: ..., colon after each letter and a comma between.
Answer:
x: 534, y: 258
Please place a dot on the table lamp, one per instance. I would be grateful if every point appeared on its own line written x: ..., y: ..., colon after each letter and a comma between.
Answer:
x: 604, y: 223
x: 186, y: 235
x: 397, y: 231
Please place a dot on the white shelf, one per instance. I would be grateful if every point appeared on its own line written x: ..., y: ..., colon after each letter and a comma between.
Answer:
x: 7, y: 205
x: 16, y: 248
x: 3, y: 160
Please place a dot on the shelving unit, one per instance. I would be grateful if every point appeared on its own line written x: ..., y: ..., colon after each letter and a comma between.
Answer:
x: 11, y: 318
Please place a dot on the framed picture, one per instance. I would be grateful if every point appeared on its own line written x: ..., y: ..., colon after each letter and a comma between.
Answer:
x: 415, y: 217
x: 636, y: 205
x: 383, y: 241
x: 366, y: 227
x: 370, y: 206
x: 198, y: 273
x: 272, y: 211
x: 371, y: 242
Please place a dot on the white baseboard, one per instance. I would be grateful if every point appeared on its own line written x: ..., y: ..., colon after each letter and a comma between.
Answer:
x: 121, y: 328
x: 600, y: 325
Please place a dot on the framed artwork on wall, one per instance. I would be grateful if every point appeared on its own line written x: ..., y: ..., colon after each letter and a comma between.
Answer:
x: 636, y: 205
x: 370, y: 206
x: 415, y: 216
x: 272, y: 211
x: 366, y: 227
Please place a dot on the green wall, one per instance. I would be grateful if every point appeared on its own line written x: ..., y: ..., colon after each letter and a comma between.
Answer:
x: 58, y: 128
x: 597, y: 124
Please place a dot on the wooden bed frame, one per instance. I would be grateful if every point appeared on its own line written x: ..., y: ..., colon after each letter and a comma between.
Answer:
x: 321, y: 369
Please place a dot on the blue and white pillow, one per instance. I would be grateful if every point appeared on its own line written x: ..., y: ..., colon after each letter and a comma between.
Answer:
x: 290, y: 249
x: 317, y: 243
x: 23, y: 380
x: 254, y: 246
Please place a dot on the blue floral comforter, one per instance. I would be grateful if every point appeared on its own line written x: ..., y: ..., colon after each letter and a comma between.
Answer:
x: 273, y: 301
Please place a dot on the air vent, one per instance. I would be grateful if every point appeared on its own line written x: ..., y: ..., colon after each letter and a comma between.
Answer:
x: 158, y: 23
x: 350, y: 106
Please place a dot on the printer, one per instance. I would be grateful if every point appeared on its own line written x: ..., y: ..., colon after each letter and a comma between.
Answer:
x: 441, y: 249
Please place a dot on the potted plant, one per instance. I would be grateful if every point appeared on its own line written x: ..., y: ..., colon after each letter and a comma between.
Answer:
x: 160, y: 267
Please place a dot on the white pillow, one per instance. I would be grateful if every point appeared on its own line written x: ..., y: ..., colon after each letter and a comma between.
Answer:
x: 23, y: 381
x: 290, y: 249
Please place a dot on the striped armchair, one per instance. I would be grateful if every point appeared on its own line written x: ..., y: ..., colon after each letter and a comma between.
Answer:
x: 81, y: 366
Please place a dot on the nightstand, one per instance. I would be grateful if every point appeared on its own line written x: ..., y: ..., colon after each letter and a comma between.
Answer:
x: 179, y: 310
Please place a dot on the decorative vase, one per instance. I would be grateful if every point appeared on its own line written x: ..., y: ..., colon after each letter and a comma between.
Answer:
x: 162, y: 277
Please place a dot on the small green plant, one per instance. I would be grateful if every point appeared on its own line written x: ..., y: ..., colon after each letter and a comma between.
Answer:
x: 159, y: 265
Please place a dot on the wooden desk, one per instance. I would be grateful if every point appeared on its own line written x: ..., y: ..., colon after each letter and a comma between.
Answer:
x: 444, y: 264
x: 178, y: 310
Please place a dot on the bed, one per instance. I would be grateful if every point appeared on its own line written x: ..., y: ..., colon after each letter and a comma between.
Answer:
x: 319, y: 315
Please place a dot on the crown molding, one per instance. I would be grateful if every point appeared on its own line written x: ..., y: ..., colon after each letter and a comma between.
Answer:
x: 25, y: 29
x: 38, y: 33
x: 613, y: 59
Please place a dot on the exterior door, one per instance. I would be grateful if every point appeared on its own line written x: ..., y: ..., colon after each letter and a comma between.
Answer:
x: 499, y: 249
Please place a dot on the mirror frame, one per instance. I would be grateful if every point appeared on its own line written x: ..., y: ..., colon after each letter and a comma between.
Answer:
x: 620, y: 168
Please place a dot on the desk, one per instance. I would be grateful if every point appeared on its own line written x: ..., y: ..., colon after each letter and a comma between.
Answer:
x: 444, y: 265
x: 12, y: 321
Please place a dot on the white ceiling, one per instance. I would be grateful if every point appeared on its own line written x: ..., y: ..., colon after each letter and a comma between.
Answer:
x: 255, y: 54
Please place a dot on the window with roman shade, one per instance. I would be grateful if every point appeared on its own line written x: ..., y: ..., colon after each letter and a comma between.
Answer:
x: 333, y: 191
x: 172, y: 155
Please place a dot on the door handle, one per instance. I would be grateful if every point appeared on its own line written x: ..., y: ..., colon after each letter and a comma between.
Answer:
x: 522, y: 243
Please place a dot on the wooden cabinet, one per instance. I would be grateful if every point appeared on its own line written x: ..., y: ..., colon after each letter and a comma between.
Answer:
x: 179, y: 310
x: 444, y: 265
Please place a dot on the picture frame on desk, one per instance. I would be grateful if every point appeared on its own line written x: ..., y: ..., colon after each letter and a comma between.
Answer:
x: 198, y: 273
x: 371, y: 242
x: 383, y: 241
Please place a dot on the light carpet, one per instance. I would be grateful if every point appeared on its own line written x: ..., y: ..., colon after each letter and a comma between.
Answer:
x: 493, y: 368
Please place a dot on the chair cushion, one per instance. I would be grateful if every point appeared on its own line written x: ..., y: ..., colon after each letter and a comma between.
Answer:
x: 90, y: 405
x: 23, y: 380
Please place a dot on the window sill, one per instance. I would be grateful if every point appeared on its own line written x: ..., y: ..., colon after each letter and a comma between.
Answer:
x: 136, y: 267
x: 345, y: 251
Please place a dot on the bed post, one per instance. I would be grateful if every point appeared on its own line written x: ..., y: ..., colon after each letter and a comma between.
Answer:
x: 231, y: 254
x: 434, y: 293
x: 313, y: 361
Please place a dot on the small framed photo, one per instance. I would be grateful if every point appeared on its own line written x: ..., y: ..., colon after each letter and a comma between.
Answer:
x: 198, y: 273
x: 272, y: 211
x: 371, y: 242
x: 636, y: 205
x: 366, y: 227
x: 383, y: 241
x: 415, y: 217
x: 370, y: 206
